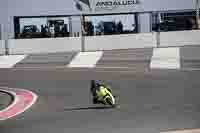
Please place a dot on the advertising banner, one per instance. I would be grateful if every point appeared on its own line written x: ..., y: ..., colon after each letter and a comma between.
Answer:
x: 108, y: 6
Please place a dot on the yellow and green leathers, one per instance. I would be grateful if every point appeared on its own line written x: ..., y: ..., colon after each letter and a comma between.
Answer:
x: 102, y: 92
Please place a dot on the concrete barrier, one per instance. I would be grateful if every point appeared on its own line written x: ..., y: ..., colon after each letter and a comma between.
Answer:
x: 96, y: 43
x: 180, y: 38
x: 127, y: 41
x: 44, y: 45
x: 2, y: 47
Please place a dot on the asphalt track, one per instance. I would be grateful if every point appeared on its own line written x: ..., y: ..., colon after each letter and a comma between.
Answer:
x: 150, y: 102
x: 5, y: 100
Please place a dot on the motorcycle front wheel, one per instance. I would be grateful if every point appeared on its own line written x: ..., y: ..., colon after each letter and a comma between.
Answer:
x: 109, y: 100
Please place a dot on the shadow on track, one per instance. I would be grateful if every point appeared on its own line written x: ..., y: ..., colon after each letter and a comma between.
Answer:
x: 89, y: 108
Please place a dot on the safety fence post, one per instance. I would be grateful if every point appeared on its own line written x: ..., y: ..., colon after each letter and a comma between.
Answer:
x: 197, y: 13
x: 158, y: 39
x: 82, y: 34
x: 6, y: 47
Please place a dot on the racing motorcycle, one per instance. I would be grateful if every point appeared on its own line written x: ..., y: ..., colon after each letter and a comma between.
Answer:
x: 105, y: 96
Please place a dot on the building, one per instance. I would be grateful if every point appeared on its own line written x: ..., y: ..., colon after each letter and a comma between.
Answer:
x: 145, y: 11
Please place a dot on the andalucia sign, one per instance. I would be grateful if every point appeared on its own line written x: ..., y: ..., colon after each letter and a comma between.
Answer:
x: 107, y: 5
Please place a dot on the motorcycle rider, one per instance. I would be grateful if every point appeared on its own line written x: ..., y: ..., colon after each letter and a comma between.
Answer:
x: 98, y: 93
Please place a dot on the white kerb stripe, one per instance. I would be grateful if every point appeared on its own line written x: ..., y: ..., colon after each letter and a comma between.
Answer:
x: 10, y: 60
x: 184, y: 131
x: 166, y: 58
x: 86, y: 59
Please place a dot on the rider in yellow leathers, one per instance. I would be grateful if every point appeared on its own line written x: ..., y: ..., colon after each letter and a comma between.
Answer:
x: 99, y: 92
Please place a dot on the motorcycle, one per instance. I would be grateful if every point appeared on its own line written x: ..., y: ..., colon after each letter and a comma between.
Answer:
x: 108, y: 98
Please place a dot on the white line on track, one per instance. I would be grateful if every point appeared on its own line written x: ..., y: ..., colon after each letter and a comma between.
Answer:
x: 165, y: 58
x: 86, y: 59
x: 8, y: 61
x: 183, y: 131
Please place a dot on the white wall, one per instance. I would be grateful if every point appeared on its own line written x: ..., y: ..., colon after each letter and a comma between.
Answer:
x: 47, y: 45
x: 108, y: 42
x: 180, y: 38
x: 120, y: 41
x: 2, y: 47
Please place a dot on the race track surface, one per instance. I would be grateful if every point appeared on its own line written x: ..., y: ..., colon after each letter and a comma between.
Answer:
x: 150, y: 101
x: 5, y: 100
